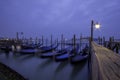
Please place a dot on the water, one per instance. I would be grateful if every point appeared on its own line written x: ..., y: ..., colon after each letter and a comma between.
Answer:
x: 35, y: 68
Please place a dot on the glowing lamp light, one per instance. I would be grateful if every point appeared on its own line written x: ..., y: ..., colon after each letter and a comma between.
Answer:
x: 97, y: 26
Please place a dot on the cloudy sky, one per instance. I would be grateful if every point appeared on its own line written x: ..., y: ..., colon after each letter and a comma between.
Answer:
x: 56, y: 17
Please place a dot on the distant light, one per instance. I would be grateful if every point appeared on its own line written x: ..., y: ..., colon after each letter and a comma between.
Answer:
x: 18, y: 48
x: 13, y: 48
x: 97, y: 26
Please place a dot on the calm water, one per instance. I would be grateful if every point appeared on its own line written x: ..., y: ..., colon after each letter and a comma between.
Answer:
x: 35, y: 68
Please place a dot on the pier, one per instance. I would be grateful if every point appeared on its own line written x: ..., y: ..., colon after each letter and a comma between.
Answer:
x: 105, y: 64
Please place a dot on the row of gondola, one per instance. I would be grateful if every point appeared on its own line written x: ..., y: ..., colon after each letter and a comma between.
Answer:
x: 69, y: 52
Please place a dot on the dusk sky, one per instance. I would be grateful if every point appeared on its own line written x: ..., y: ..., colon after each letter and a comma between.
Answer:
x: 56, y: 17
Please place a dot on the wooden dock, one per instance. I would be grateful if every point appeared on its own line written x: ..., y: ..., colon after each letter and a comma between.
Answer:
x: 105, y: 64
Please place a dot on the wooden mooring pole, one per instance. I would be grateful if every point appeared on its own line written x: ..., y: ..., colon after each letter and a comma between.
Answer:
x: 51, y: 40
x: 80, y: 42
x: 42, y: 40
x: 62, y: 41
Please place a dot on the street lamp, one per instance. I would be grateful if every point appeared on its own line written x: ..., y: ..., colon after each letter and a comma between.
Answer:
x: 96, y: 25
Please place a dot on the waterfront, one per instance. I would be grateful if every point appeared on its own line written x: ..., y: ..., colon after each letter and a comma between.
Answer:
x: 36, y: 68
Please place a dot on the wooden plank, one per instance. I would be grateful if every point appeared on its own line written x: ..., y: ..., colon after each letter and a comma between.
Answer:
x: 105, y: 63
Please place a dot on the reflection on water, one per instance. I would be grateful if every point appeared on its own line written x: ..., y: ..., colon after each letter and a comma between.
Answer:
x: 61, y: 66
x: 35, y: 68
x: 45, y: 63
x: 77, y: 70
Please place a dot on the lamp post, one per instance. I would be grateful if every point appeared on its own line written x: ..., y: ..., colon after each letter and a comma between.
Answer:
x: 92, y: 23
x: 96, y: 25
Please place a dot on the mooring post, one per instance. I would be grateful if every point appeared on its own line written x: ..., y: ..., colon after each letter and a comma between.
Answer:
x: 104, y: 44
x: 57, y: 43
x: 99, y: 40
x: 42, y: 40
x: 80, y: 42
x: 36, y: 40
x: 17, y: 35
x: 39, y: 41
x: 31, y: 40
x: 112, y: 38
x: 74, y: 43
x: 117, y: 48
x: 51, y: 40
x: 109, y: 44
x: 62, y: 41
x: 46, y: 41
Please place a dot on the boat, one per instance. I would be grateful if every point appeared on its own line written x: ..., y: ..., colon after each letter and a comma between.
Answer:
x: 6, y: 48
x: 27, y: 49
x: 30, y: 46
x: 81, y: 57
x: 55, y: 53
x: 5, y: 45
x: 72, y: 52
x: 78, y: 58
x: 50, y: 48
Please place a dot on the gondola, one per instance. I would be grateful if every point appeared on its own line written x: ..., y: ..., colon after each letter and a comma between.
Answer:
x: 82, y: 56
x: 50, y: 48
x: 55, y: 53
x: 78, y: 58
x: 68, y: 55
x: 30, y: 46
x: 27, y: 49
x: 6, y: 48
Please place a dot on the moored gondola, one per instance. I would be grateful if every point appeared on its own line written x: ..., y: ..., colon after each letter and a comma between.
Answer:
x: 6, y: 48
x: 26, y: 48
x: 72, y: 52
x: 82, y: 56
x: 50, y: 48
x: 55, y: 53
